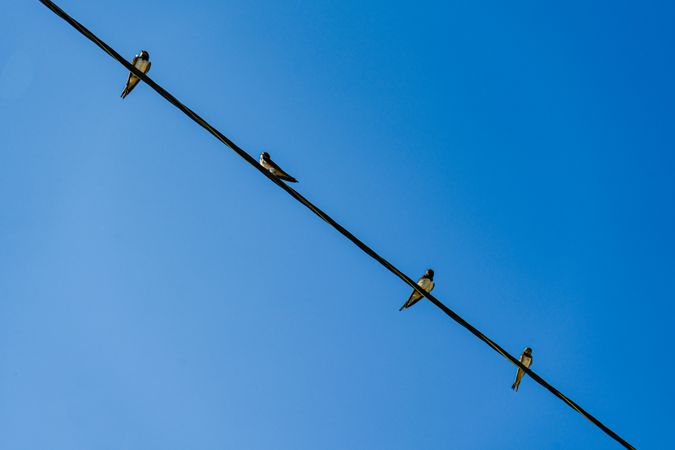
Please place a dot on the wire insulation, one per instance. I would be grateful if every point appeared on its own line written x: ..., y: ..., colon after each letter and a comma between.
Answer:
x: 365, y: 248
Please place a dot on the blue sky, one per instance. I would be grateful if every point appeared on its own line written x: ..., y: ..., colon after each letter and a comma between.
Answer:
x: 156, y: 292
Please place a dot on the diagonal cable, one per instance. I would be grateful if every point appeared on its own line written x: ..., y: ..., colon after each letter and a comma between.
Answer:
x: 366, y: 249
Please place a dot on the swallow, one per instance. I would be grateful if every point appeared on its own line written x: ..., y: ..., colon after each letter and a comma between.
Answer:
x: 526, y: 360
x: 426, y: 283
x: 275, y: 170
x: 142, y: 63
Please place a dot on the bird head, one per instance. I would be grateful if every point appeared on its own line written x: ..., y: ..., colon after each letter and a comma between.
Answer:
x: 145, y: 55
x: 430, y: 274
x: 528, y: 351
x: 265, y: 155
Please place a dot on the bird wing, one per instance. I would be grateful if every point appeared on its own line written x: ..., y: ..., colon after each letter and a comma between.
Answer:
x: 415, y: 296
x: 132, y: 80
x: 279, y: 172
x: 286, y: 177
x: 527, y: 362
x: 519, y: 376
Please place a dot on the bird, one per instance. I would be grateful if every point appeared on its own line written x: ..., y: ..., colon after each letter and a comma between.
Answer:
x: 526, y: 360
x: 142, y: 63
x: 274, y: 169
x: 426, y: 283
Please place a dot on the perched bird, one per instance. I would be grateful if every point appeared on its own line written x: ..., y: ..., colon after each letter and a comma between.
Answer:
x: 426, y: 283
x: 142, y: 63
x: 275, y: 170
x: 526, y: 360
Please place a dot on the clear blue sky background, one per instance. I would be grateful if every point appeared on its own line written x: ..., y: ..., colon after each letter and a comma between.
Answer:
x: 158, y: 293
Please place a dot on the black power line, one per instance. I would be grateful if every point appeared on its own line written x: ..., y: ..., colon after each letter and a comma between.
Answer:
x: 221, y: 137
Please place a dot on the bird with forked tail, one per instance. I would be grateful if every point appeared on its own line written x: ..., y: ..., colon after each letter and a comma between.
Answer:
x: 142, y: 63
x: 526, y: 360
x: 426, y: 283
x: 274, y: 169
